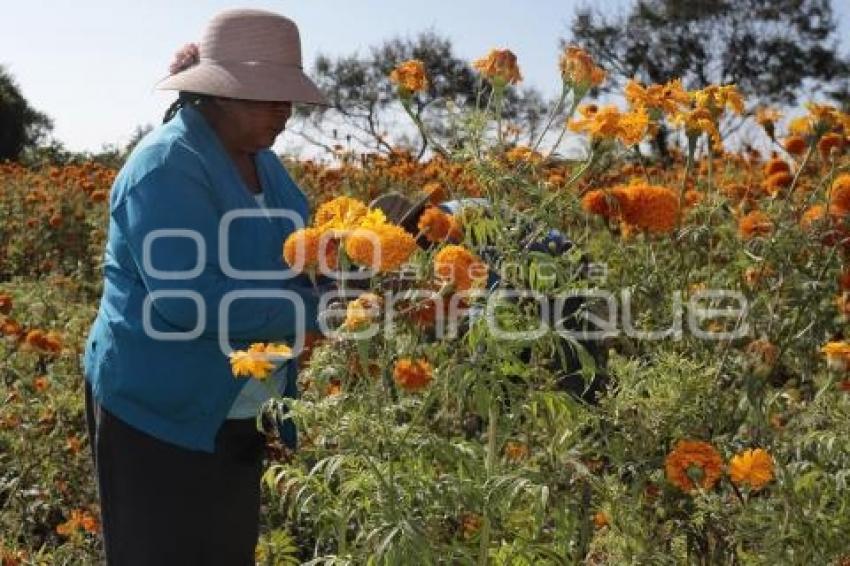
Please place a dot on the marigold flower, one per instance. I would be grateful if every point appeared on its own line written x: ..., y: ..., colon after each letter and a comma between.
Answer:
x: 41, y: 383
x: 435, y: 224
x: 839, y: 195
x: 384, y: 247
x: 693, y: 463
x: 776, y: 165
x: 667, y: 98
x: 829, y: 142
x: 755, y: 224
x: 651, y: 208
x: 764, y: 350
x: 837, y: 355
x: 410, y: 76
x: 499, y: 67
x: 306, y: 244
x: 715, y: 98
x: 795, y: 145
x: 470, y: 524
x: 362, y: 311
x: 751, y: 467
x: 516, y: 451
x: 778, y: 182
x: 436, y: 192
x: 767, y: 118
x: 79, y: 519
x: 522, y: 154
x: 578, y: 69
x: 412, y: 375
x: 610, y: 123
x: 600, y: 520
x: 341, y: 213
x: 459, y: 267
x: 258, y: 360
x: 812, y: 216
x: 697, y: 122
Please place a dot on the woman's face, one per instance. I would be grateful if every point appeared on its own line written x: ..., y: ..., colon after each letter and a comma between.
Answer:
x: 252, y: 125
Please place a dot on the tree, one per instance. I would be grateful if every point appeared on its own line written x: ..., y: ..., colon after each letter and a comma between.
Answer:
x: 21, y: 126
x: 769, y: 48
x: 365, y: 106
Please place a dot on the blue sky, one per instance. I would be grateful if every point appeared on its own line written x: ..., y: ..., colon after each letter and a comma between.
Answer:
x: 91, y: 64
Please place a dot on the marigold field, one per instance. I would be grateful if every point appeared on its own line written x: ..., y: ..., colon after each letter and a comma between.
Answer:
x: 722, y: 435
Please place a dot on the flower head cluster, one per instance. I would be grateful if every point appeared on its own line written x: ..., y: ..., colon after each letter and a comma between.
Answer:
x: 837, y: 356
x: 457, y: 266
x: 668, y: 98
x: 751, y: 467
x: 366, y: 236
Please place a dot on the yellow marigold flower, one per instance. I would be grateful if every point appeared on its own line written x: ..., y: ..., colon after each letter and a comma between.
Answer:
x: 435, y: 224
x: 839, y: 194
x: 755, y: 223
x: 250, y: 364
x: 715, y: 99
x: 634, y: 127
x: 751, y: 467
x: 412, y: 375
x: 458, y: 266
x: 837, y: 355
x: 667, y: 98
x: 499, y: 67
x: 362, y: 311
x: 830, y: 142
x: 692, y: 464
x: 383, y: 247
x: 341, y: 213
x: 800, y: 126
x: 577, y: 68
x: 795, y: 145
x: 410, y: 76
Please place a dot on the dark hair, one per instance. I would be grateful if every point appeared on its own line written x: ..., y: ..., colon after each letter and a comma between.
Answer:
x: 184, y: 99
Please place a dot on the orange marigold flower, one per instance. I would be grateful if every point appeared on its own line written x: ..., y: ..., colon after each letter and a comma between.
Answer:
x: 837, y: 355
x: 499, y: 66
x: 435, y: 224
x: 600, y: 520
x: 610, y: 123
x: 751, y: 467
x: 436, y: 192
x: 412, y: 375
x: 258, y: 360
x: 829, y: 142
x: 410, y: 76
x: 764, y: 351
x: 311, y: 246
x: 776, y: 165
x: 795, y: 145
x: 839, y: 194
x: 11, y: 327
x: 41, y: 383
x: 693, y: 463
x: 777, y: 183
x: 383, y: 247
x: 715, y: 98
x: 458, y: 266
x: 522, y: 154
x: 597, y: 202
x: 577, y: 68
x: 812, y: 216
x: 755, y: 224
x: 516, y: 451
x: 697, y: 122
x: 650, y: 208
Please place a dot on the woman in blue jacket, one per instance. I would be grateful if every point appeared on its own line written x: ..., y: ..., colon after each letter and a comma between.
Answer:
x: 192, y: 268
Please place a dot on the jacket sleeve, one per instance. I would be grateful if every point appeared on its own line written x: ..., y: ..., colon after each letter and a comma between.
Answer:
x: 175, y: 198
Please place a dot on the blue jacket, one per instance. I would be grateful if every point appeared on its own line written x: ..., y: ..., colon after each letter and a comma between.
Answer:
x: 180, y: 177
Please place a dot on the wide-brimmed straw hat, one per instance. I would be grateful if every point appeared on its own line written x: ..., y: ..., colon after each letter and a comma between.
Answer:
x: 246, y: 54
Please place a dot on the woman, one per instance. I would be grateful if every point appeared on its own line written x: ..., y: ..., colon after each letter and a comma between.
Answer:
x: 192, y: 267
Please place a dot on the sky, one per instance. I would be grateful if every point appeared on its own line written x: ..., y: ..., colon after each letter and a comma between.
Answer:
x: 91, y: 65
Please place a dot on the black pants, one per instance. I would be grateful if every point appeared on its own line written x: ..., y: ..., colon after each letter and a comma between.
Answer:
x: 164, y: 505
